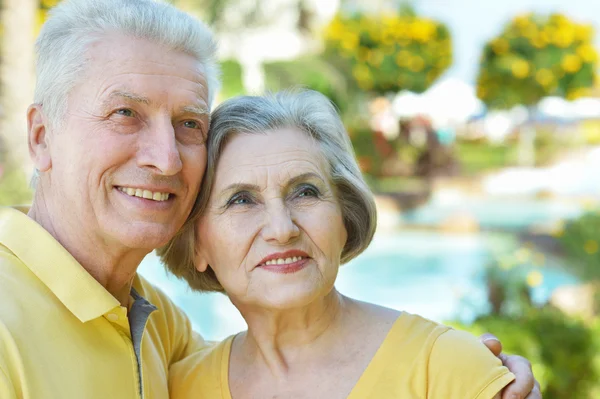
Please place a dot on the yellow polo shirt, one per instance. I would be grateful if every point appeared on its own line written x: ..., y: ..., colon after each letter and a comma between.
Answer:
x: 63, y: 336
x: 418, y: 359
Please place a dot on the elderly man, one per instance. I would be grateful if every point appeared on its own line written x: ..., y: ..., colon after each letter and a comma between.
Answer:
x: 117, y: 136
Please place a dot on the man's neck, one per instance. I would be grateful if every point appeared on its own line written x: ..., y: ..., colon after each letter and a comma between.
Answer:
x: 113, y: 265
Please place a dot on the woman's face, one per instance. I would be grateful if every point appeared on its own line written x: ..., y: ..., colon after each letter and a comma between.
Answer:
x: 273, y: 231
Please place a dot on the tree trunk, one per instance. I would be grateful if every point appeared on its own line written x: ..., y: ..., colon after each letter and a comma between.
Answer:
x: 17, y: 77
x: 527, y: 133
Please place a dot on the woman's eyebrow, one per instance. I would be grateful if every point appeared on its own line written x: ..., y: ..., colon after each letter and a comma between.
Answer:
x: 304, y: 177
x: 241, y: 187
x: 235, y: 187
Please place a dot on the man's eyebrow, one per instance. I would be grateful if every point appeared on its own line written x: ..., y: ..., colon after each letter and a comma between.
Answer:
x: 190, y: 109
x: 130, y: 96
x: 195, y: 110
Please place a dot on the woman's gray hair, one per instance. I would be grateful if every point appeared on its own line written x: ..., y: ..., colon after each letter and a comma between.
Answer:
x: 315, y: 115
x: 75, y: 24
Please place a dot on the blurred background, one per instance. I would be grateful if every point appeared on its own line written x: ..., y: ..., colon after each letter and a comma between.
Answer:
x: 477, y: 125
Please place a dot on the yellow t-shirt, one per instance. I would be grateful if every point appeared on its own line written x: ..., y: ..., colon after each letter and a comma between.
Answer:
x: 63, y: 336
x: 418, y: 359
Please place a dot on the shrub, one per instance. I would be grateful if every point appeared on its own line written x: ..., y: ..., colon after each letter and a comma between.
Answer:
x: 389, y: 53
x: 580, y: 240
x: 563, y: 351
x: 537, y: 56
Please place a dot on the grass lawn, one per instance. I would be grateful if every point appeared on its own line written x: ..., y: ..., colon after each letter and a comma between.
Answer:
x: 475, y: 157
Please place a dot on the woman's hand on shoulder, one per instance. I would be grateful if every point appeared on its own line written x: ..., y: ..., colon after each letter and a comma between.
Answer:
x: 525, y: 385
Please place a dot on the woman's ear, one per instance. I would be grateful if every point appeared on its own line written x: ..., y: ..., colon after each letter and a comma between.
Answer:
x: 200, y: 260
x: 39, y: 138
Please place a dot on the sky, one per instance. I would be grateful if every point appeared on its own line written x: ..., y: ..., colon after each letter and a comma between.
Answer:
x: 473, y: 22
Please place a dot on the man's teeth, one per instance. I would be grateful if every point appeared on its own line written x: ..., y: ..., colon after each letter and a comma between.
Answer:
x: 283, y: 261
x: 138, y: 192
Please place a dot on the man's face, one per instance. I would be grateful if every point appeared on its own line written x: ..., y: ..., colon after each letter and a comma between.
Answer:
x: 128, y: 160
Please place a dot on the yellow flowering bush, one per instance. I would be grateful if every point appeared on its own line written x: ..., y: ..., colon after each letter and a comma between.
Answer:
x: 388, y: 53
x: 537, y: 56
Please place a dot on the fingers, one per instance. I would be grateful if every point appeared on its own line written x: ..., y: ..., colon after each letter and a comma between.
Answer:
x: 524, y: 385
x: 492, y: 343
x: 536, y: 393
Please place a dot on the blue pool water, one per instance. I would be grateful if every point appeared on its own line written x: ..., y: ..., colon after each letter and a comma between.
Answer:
x: 433, y: 274
x: 493, y: 213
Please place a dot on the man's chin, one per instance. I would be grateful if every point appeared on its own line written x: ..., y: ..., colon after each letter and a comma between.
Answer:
x: 144, y: 236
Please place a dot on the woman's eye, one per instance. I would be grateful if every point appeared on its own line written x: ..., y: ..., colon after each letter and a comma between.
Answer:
x: 124, y: 112
x: 308, y: 191
x: 240, y: 199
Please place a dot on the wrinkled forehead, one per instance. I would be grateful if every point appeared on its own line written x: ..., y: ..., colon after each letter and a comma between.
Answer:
x: 279, y: 153
x: 117, y: 58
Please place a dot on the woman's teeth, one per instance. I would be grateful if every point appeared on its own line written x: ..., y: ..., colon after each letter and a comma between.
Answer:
x: 283, y: 261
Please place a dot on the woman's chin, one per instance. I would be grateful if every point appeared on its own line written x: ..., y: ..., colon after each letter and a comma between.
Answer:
x: 286, y: 297
x: 270, y: 291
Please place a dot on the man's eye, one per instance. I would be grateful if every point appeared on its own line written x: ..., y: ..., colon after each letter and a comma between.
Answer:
x: 191, y: 124
x: 124, y: 112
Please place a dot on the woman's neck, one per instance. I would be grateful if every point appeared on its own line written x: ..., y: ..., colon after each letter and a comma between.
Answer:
x: 278, y: 338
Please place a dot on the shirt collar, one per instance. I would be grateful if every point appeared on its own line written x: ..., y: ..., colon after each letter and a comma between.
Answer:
x: 54, y: 266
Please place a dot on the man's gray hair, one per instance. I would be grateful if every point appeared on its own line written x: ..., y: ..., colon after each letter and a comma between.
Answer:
x: 312, y: 113
x: 75, y: 24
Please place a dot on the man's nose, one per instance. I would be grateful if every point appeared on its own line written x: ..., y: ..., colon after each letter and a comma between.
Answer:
x: 159, y: 149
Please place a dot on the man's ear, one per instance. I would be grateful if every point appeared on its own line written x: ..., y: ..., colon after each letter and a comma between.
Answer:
x: 38, y: 138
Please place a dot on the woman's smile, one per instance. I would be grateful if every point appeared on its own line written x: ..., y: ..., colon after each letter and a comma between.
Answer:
x: 285, y: 262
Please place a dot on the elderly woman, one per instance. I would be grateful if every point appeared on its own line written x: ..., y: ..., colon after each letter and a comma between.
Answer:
x: 282, y: 206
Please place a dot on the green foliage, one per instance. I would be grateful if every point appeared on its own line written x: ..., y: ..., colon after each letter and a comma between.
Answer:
x: 534, y: 57
x: 14, y: 189
x: 369, y: 158
x: 549, y: 145
x: 210, y: 11
x: 231, y: 76
x: 563, y: 351
x: 388, y: 53
x: 312, y: 72
x: 477, y: 156
x: 371, y: 148
x: 580, y: 239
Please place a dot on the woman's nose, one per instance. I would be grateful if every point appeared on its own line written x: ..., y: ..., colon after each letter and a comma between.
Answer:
x: 280, y: 225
